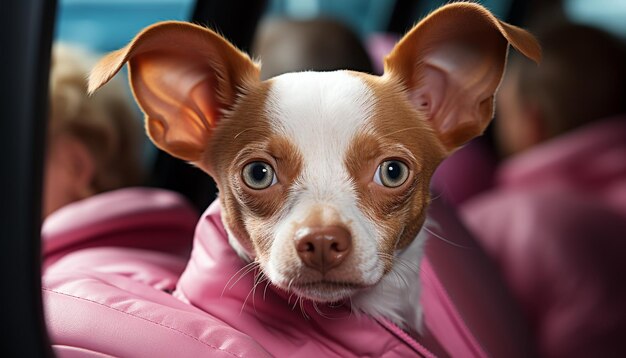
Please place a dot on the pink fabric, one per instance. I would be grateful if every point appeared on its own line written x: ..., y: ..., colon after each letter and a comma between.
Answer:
x: 117, y: 316
x: 113, y: 300
x: 110, y: 262
x: 73, y: 352
x: 556, y: 224
x: 154, y: 219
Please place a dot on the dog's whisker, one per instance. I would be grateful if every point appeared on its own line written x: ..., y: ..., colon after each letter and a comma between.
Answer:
x: 258, y: 280
x: 444, y: 239
x: 250, y: 269
x: 436, y: 197
x: 306, y: 316
x: 235, y: 274
x: 395, y: 244
x: 396, y: 260
x: 402, y: 263
x: 245, y: 268
x: 244, y: 302
x: 249, y: 129
x: 265, y: 289
x: 401, y: 279
x: 401, y: 268
x: 319, y: 311
x: 250, y: 292
x: 295, y: 302
x: 386, y: 257
x: 400, y: 131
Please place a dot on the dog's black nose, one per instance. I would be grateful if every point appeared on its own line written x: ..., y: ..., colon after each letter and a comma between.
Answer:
x: 323, y: 248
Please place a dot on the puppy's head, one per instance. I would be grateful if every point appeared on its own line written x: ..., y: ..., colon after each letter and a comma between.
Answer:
x: 323, y: 177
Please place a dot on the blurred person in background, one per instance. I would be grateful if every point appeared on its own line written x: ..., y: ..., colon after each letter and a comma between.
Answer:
x: 320, y: 44
x: 93, y: 169
x: 93, y: 143
x: 555, y: 221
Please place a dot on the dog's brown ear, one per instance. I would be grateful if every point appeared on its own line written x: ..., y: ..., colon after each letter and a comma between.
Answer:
x: 183, y: 76
x: 451, y: 63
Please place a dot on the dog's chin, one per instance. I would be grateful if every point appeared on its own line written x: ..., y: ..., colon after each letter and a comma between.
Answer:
x: 326, y: 291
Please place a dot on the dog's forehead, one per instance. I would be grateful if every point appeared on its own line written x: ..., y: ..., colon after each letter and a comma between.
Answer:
x: 320, y: 108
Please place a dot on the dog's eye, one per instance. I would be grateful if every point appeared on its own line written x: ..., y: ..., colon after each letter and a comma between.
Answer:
x: 391, y: 173
x: 259, y: 175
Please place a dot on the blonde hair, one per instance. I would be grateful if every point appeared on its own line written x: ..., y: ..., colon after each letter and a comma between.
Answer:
x: 105, y: 123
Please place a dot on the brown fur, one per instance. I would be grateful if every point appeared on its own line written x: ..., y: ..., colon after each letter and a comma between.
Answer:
x: 476, y: 27
x: 180, y: 119
x: 247, y: 211
x: 395, y: 122
x: 246, y: 124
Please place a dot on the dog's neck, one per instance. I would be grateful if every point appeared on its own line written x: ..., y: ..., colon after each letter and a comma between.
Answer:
x: 397, y: 296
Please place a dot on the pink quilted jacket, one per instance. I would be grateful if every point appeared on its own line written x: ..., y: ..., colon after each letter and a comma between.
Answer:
x: 109, y: 300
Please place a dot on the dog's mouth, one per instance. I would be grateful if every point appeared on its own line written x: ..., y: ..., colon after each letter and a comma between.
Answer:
x: 328, y: 285
x: 326, y: 290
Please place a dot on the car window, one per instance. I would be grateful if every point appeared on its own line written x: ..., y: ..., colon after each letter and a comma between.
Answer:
x: 609, y: 15
x: 105, y: 25
x: 365, y: 16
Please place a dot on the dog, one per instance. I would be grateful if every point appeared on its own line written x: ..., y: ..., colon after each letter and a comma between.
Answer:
x: 324, y: 176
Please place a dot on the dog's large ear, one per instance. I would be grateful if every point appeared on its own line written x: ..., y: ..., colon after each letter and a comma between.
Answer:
x: 183, y: 76
x: 451, y: 63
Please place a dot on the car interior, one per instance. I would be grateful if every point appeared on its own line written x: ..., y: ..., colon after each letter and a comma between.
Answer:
x: 29, y: 28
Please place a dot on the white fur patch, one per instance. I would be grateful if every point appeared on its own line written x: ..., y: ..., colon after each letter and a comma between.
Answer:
x: 320, y: 113
x: 397, y: 296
